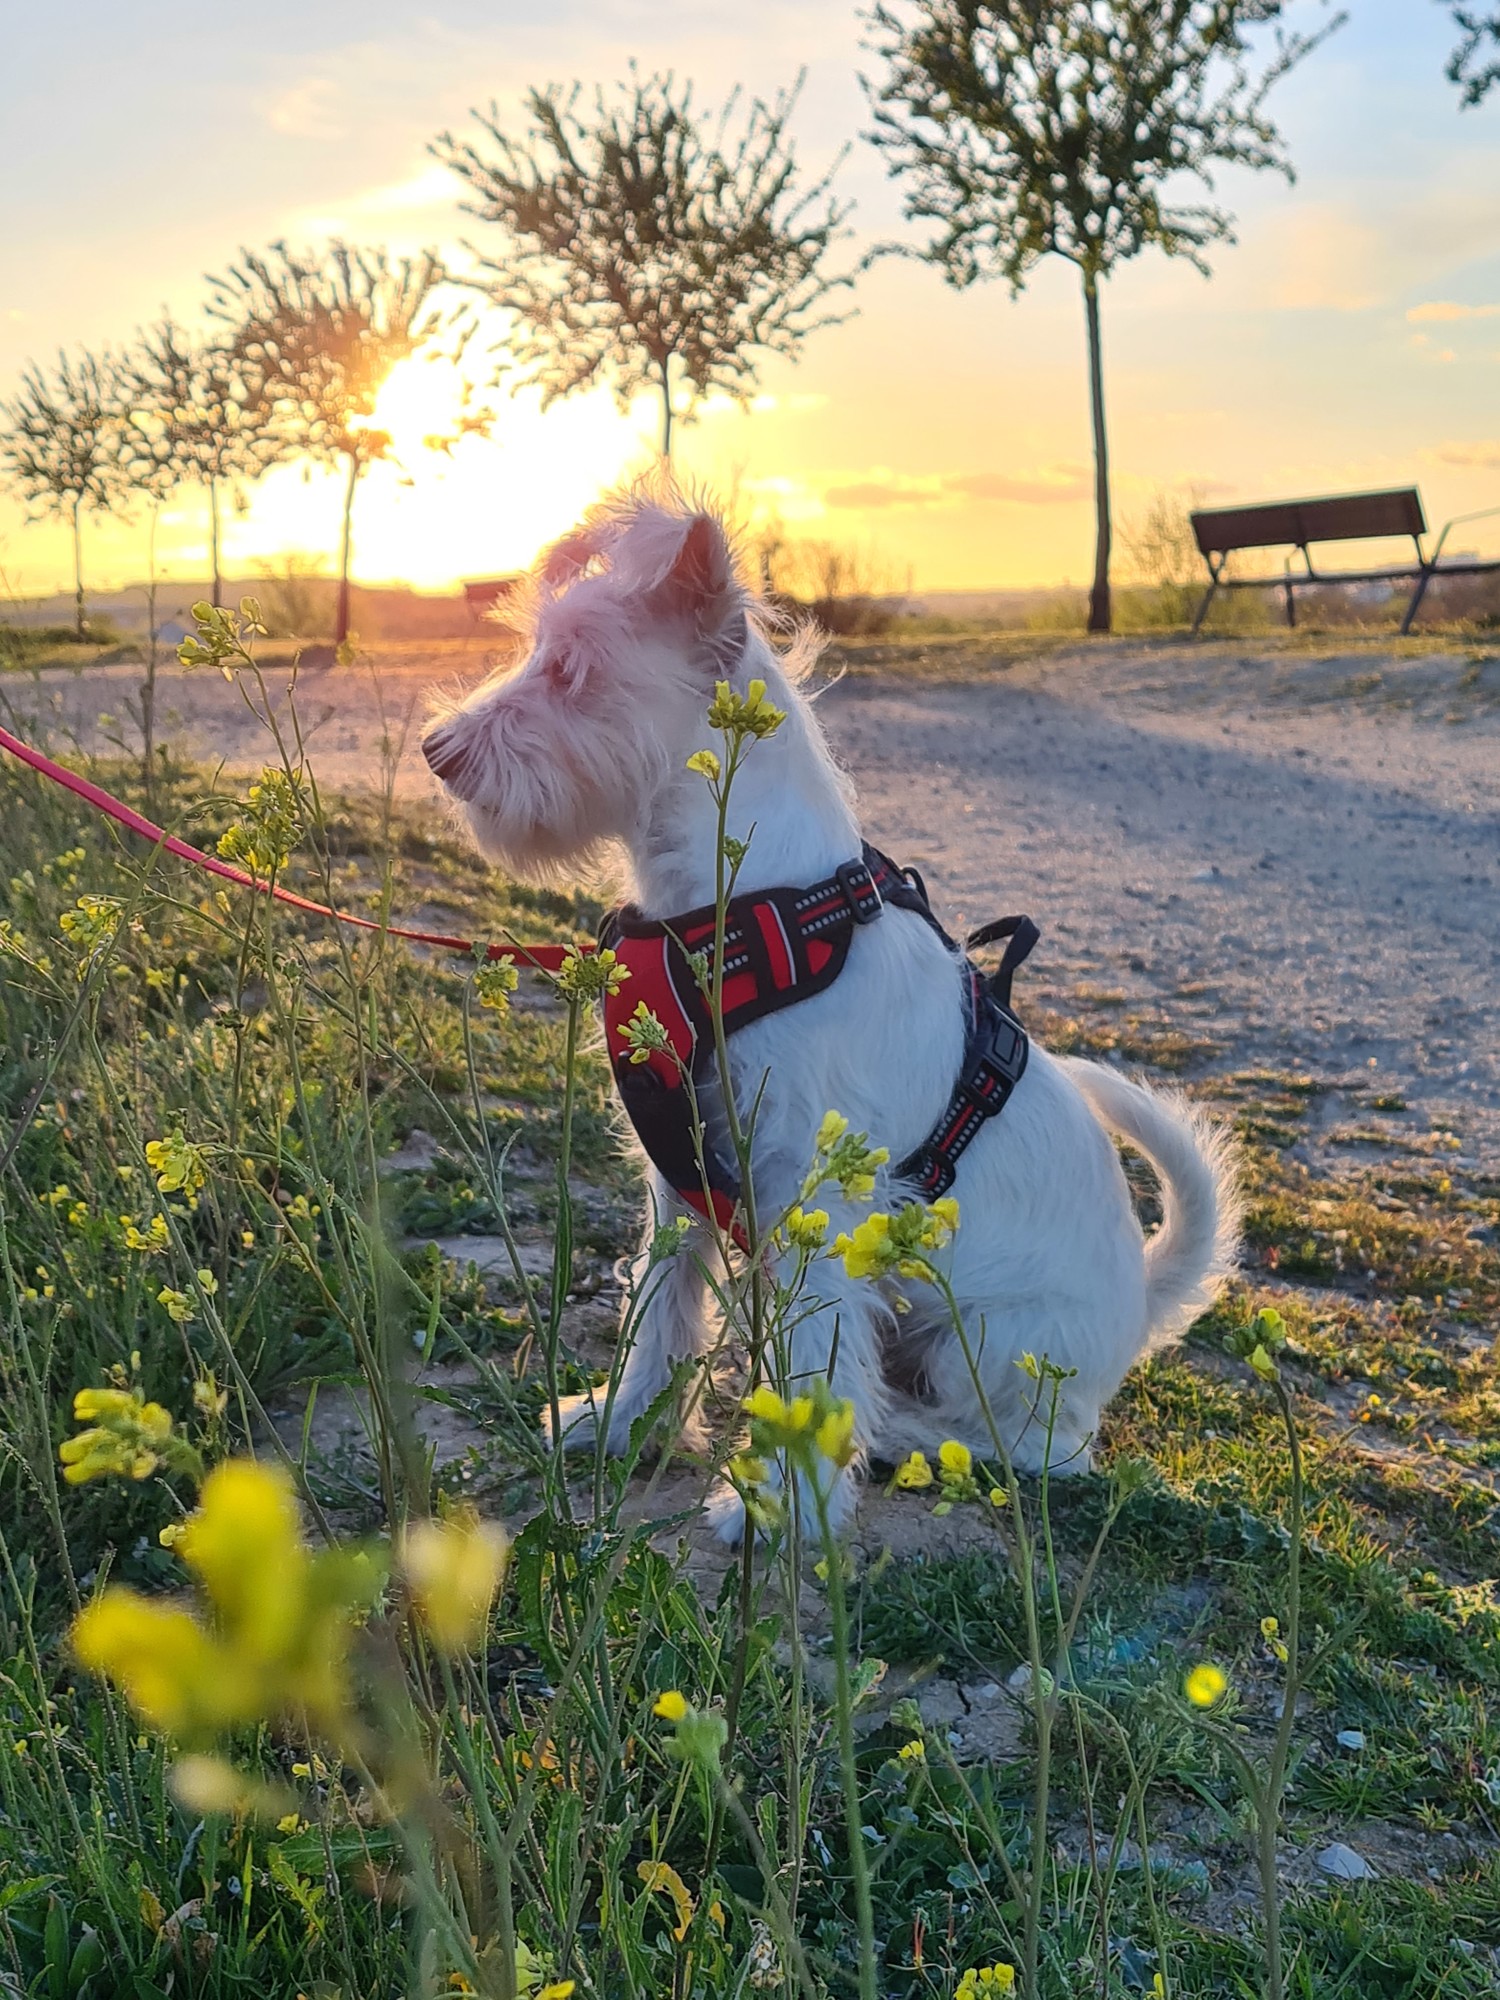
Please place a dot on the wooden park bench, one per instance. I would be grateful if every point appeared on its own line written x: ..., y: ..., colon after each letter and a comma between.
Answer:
x: 1343, y: 517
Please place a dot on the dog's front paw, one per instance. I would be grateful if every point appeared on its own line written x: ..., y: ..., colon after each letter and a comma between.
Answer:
x: 577, y: 1423
x: 727, y: 1511
x: 726, y: 1514
x: 580, y: 1418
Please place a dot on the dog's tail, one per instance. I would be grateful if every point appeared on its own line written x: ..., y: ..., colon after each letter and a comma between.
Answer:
x: 1193, y: 1252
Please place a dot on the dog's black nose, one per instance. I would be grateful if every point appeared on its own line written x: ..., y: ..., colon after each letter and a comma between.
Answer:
x: 446, y: 758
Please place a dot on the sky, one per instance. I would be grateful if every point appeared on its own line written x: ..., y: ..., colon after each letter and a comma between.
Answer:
x: 1349, y: 339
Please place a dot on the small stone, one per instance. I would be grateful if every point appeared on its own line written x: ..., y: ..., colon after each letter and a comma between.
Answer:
x: 1343, y: 1864
x: 1350, y: 1739
x: 1019, y: 1682
x: 986, y: 1691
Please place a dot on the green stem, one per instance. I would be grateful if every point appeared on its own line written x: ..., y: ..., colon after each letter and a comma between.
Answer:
x: 859, y: 1862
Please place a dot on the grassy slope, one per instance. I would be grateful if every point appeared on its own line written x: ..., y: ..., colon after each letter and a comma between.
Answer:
x: 1386, y: 1269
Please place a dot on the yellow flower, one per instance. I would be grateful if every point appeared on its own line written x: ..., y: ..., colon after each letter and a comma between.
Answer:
x: 153, y: 1237
x: 289, y: 1822
x: 986, y: 1980
x: 180, y: 1166
x: 277, y: 1639
x: 494, y: 984
x: 126, y: 1438
x: 706, y: 764
x: 914, y: 1474
x: 1269, y: 1627
x: 956, y: 1460
x: 263, y: 841
x: 807, y: 1229
x: 1205, y: 1685
x: 749, y: 714
x: 644, y: 1034
x: 765, y: 1406
x: 867, y: 1253
x: 914, y: 1752
x: 177, y: 1305
x: 161, y: 1656
x: 832, y: 1129
x: 901, y: 1242
x: 670, y: 1706
x: 946, y: 1211
x: 453, y: 1570
x: 587, y: 975
x: 1262, y: 1363
x: 835, y: 1434
x: 844, y: 1157
x: 562, y: 1989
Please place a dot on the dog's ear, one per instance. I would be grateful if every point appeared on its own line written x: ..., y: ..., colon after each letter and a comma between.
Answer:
x: 701, y: 581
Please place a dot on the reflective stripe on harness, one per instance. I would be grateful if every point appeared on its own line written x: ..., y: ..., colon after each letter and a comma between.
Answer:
x: 782, y: 946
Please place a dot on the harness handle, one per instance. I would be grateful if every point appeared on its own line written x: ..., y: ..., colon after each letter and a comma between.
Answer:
x: 1023, y: 936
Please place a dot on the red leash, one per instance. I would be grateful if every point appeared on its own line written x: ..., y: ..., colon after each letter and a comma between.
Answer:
x: 546, y: 957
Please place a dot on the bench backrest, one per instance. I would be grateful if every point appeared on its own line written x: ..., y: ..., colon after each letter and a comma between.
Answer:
x: 1346, y: 517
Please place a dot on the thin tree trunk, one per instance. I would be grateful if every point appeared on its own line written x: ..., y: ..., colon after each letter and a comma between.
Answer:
x: 148, y: 685
x: 341, y: 630
x: 666, y: 410
x: 1099, y: 604
x: 78, y: 619
x: 213, y: 540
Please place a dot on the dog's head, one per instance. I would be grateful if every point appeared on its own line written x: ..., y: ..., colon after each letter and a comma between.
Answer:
x: 636, y: 615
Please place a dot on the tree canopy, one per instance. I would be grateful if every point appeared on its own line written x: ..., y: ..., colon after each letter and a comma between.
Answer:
x: 1033, y: 128
x: 645, y: 243
x: 62, y: 444
x: 1023, y: 129
x: 317, y: 335
x: 196, y: 418
x: 1475, y: 62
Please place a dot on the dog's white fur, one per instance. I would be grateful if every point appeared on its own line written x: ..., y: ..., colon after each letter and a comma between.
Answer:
x: 634, y: 619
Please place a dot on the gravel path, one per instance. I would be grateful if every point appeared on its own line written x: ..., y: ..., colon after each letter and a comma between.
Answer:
x: 1292, y: 853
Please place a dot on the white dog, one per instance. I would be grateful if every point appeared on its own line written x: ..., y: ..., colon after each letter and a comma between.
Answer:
x: 585, y: 745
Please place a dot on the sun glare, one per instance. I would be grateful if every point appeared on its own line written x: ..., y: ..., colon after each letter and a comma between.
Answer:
x: 419, y: 405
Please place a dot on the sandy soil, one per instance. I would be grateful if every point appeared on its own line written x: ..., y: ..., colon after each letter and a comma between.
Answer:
x: 1292, y: 852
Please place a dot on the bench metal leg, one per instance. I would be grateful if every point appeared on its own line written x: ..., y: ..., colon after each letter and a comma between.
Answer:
x: 1423, y: 577
x: 1202, y: 611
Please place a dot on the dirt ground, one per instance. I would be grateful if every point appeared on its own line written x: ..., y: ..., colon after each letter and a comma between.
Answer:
x: 1289, y: 852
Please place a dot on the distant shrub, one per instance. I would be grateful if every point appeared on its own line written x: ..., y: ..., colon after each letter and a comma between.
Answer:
x: 23, y: 645
x: 297, y: 602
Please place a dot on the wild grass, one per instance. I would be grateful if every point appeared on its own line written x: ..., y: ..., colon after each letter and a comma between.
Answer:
x: 961, y: 1742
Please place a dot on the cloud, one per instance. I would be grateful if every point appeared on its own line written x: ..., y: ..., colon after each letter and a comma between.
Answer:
x: 431, y: 187
x: 304, y: 110
x: 1055, y: 484
x: 1440, y: 311
x: 1060, y: 483
x: 1483, y: 454
x: 873, y: 493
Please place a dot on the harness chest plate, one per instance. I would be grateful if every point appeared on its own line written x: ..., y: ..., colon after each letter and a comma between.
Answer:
x: 782, y: 946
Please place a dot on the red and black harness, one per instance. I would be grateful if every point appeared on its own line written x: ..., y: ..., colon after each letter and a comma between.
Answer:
x: 782, y: 946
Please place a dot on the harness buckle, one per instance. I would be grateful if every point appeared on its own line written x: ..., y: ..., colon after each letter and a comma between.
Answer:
x: 860, y: 892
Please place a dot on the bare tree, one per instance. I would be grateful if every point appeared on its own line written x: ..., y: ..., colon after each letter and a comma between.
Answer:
x: 1034, y: 128
x: 644, y: 244
x: 319, y: 336
x: 61, y: 439
x: 1479, y: 29
x: 198, y: 418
